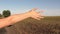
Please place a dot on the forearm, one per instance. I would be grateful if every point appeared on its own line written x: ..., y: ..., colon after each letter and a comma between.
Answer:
x: 4, y: 22
x: 13, y: 19
x: 19, y: 17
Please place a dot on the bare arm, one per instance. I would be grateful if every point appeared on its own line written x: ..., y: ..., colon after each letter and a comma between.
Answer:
x: 13, y: 19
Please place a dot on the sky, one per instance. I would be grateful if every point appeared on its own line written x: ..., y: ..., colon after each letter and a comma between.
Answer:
x: 50, y: 7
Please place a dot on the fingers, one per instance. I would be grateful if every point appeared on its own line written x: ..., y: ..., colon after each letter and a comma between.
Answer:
x: 35, y: 14
x: 34, y: 9
x: 36, y: 18
x: 40, y: 17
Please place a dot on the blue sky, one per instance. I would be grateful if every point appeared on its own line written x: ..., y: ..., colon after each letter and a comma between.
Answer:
x: 51, y: 7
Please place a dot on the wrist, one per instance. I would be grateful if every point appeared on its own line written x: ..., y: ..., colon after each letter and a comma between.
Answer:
x: 28, y: 14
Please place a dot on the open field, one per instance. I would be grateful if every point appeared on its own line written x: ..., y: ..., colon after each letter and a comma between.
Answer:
x: 48, y: 25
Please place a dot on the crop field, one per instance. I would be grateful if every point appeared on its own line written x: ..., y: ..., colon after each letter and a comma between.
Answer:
x: 48, y: 25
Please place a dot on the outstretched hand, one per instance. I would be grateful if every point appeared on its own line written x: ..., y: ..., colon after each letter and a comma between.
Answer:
x: 35, y: 15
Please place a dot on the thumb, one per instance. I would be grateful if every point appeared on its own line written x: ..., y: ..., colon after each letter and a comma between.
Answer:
x: 34, y: 9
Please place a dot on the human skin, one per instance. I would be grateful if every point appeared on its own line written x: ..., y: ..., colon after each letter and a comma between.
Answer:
x: 19, y: 17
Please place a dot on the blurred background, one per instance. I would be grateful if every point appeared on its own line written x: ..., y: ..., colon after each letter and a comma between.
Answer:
x: 49, y: 25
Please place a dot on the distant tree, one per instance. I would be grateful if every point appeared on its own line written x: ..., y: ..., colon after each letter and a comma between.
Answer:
x: 6, y: 13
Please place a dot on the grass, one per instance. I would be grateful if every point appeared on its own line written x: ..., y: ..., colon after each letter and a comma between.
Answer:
x: 48, y: 25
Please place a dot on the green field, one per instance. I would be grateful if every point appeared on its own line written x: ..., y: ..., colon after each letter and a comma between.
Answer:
x: 48, y: 25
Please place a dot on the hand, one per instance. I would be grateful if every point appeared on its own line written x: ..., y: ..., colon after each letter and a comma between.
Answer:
x: 35, y: 15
